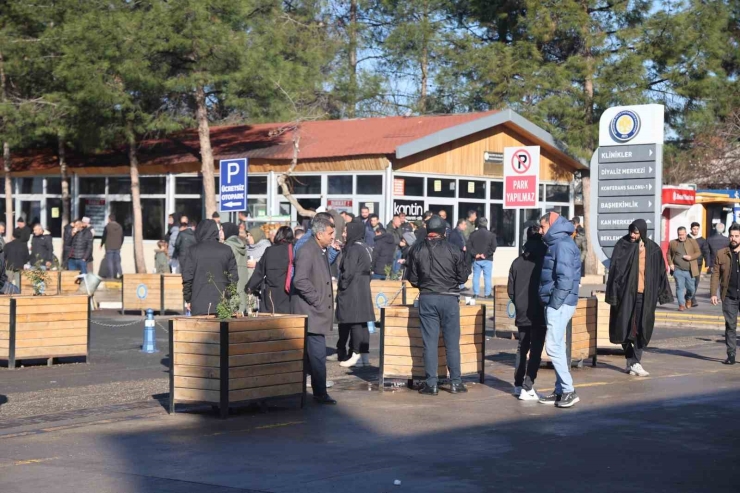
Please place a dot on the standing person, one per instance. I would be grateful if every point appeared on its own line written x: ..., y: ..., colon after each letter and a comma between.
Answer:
x: 86, y: 224
x: 701, y: 261
x: 365, y: 216
x: 2, y: 233
x: 383, y: 253
x: 443, y: 216
x: 716, y: 242
x: 580, y: 238
x: 243, y: 218
x: 42, y: 250
x: 637, y: 282
x: 559, y: 283
x: 271, y: 277
x: 174, y: 221
x: 239, y: 249
x: 186, y: 238
x: 471, y: 222
x: 457, y: 235
x: 113, y: 241
x: 80, y: 248
x: 313, y: 295
x: 370, y: 230
x: 726, y: 278
x: 437, y: 269
x: 216, y: 219
x: 354, y: 300
x: 16, y: 257
x: 523, y: 290
x: 161, y: 260
x: 67, y: 242
x: 339, y: 222
x: 481, y: 247
x: 25, y: 230
x: 209, y: 269
x: 682, y: 255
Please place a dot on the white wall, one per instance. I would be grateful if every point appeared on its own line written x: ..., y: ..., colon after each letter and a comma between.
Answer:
x: 127, y: 254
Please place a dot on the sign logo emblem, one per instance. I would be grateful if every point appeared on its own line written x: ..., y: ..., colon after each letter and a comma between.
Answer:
x: 625, y: 126
x: 381, y: 300
x: 521, y: 161
x: 141, y: 291
x: 510, y: 310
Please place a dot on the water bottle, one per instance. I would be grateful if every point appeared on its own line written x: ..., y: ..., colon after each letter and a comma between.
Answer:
x: 371, y: 326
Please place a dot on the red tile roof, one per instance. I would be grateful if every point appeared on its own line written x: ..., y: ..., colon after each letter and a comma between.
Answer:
x: 319, y: 140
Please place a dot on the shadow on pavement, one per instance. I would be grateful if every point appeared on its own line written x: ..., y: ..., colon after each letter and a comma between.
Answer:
x: 3, y: 399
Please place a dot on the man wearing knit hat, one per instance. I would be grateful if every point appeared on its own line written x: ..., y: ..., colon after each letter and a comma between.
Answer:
x: 559, y: 283
x: 439, y: 301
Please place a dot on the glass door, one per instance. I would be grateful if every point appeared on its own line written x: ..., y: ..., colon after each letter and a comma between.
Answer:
x: 446, y: 209
x: 31, y: 211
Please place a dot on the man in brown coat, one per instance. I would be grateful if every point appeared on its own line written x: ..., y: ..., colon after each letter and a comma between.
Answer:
x: 682, y: 260
x: 726, y: 275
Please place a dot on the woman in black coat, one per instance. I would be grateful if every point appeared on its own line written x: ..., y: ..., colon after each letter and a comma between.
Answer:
x: 354, y: 300
x: 384, y: 252
x: 271, y: 272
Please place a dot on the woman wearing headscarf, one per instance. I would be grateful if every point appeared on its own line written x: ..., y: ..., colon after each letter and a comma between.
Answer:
x: 354, y: 300
x: 231, y: 238
x: 271, y: 277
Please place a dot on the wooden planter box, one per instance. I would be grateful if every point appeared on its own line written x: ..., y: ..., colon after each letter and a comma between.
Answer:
x: 68, y: 282
x: 402, y: 347
x: 160, y: 292
x: 44, y: 327
x: 602, y: 324
x: 391, y: 293
x: 580, y: 336
x: 504, y: 318
x: 52, y: 286
x: 60, y: 282
x: 236, y: 360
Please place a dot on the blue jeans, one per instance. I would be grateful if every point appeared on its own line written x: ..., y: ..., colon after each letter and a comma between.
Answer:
x: 486, y: 266
x: 557, y: 323
x: 685, y: 286
x: 396, y: 265
x: 114, y: 263
x: 77, y: 264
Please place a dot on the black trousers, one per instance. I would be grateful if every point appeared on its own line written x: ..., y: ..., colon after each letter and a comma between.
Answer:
x: 532, y: 341
x: 315, y: 362
x: 729, y: 310
x: 435, y: 311
x: 633, y: 345
x: 359, y: 340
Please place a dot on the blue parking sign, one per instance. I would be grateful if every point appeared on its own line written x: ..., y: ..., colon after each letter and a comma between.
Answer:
x: 233, y: 185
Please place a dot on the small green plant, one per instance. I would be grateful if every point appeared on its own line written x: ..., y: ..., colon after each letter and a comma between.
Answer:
x: 228, y: 305
x: 388, y: 269
x: 39, y: 278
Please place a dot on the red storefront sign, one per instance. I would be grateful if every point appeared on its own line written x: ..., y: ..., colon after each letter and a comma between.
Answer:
x: 678, y: 196
x: 399, y: 187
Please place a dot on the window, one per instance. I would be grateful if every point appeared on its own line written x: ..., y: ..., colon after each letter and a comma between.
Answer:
x: 340, y: 185
x: 54, y: 186
x: 154, y: 222
x: 503, y: 224
x: 309, y: 204
x: 31, y: 185
x: 440, y: 187
x: 304, y: 185
x: 190, y: 185
x: 152, y: 185
x: 527, y: 218
x: 464, y: 207
x: 471, y: 189
x: 557, y: 193
x: 192, y: 208
x: 497, y: 190
x: 371, y: 185
x: 54, y: 208
x: 413, y: 186
x: 95, y: 208
x: 257, y: 208
x: 541, y: 195
x: 563, y: 210
x: 124, y: 213
x: 92, y: 186
x: 119, y: 185
x: 256, y: 185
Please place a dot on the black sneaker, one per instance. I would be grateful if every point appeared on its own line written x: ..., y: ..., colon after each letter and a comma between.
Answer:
x: 730, y: 359
x: 428, y: 390
x: 458, y: 388
x: 569, y: 399
x: 325, y: 399
x: 551, y: 399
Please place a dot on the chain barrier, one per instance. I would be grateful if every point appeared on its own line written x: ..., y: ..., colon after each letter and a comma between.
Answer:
x: 128, y: 324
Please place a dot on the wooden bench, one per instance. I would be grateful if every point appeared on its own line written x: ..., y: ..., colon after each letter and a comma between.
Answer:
x: 237, y: 360
x: 44, y: 327
x: 402, y: 347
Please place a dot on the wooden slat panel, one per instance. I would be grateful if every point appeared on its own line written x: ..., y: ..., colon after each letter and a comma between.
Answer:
x: 265, y: 323
x: 4, y: 343
x: 197, y: 383
x: 265, y: 347
x: 402, y: 332
x: 471, y: 367
x: 471, y: 348
x: 408, y: 371
x: 402, y: 322
x: 4, y: 334
x: 196, y: 324
x: 266, y: 335
x: 197, y: 395
x: 265, y: 392
x: 52, y: 317
x: 265, y: 358
x: 4, y: 352
x: 200, y: 337
x: 197, y: 371
x: 269, y: 369
x: 406, y: 361
x: 197, y: 360
x: 415, y: 352
x: 52, y: 284
x: 39, y: 309
x: 4, y: 319
x: 45, y: 326
x: 265, y: 380
x: 68, y: 284
x: 51, y: 351
x: 195, y: 348
x: 51, y: 342
x: 35, y: 301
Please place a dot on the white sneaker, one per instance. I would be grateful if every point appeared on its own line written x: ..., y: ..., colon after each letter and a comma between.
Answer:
x: 352, y: 361
x: 638, y: 371
x: 517, y: 391
x: 333, y: 357
x: 329, y: 383
x: 529, y: 395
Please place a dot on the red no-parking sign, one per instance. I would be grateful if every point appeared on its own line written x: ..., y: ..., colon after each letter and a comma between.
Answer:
x: 521, y: 176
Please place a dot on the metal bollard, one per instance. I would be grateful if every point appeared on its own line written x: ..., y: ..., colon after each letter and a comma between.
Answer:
x: 150, y: 340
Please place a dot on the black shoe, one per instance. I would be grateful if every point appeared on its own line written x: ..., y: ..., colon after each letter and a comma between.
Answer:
x: 730, y: 359
x: 428, y: 390
x: 568, y: 399
x: 324, y: 399
x: 551, y: 399
x: 458, y: 388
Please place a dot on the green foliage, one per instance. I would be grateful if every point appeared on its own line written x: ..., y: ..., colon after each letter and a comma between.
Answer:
x: 39, y: 278
x: 228, y: 305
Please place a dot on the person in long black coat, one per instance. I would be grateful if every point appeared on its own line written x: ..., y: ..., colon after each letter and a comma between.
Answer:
x: 637, y: 283
x: 271, y: 272
x: 384, y: 252
x: 354, y: 300
x: 211, y: 267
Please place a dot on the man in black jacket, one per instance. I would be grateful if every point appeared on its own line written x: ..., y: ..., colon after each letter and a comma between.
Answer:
x: 112, y: 241
x: 80, y: 248
x: 210, y: 268
x: 25, y: 230
x: 481, y: 247
x: 16, y: 257
x: 523, y: 290
x: 716, y: 242
x: 704, y: 247
x: 383, y: 253
x: 42, y: 250
x: 457, y: 235
x: 437, y: 269
x: 185, y: 240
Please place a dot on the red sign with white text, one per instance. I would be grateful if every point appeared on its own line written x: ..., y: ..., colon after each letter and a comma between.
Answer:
x: 521, y: 176
x: 521, y: 191
x: 679, y: 196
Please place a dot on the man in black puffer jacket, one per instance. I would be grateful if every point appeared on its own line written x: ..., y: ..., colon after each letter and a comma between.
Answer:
x: 438, y: 268
x: 383, y: 252
x: 80, y: 248
x: 523, y: 290
x: 210, y: 268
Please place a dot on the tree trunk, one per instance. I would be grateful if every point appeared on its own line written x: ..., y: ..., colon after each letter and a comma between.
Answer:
x: 65, y: 183
x: 352, y: 48
x: 206, y: 153
x: 133, y: 160
x: 424, y: 62
x: 9, y: 223
x: 283, y: 179
x: 591, y: 263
